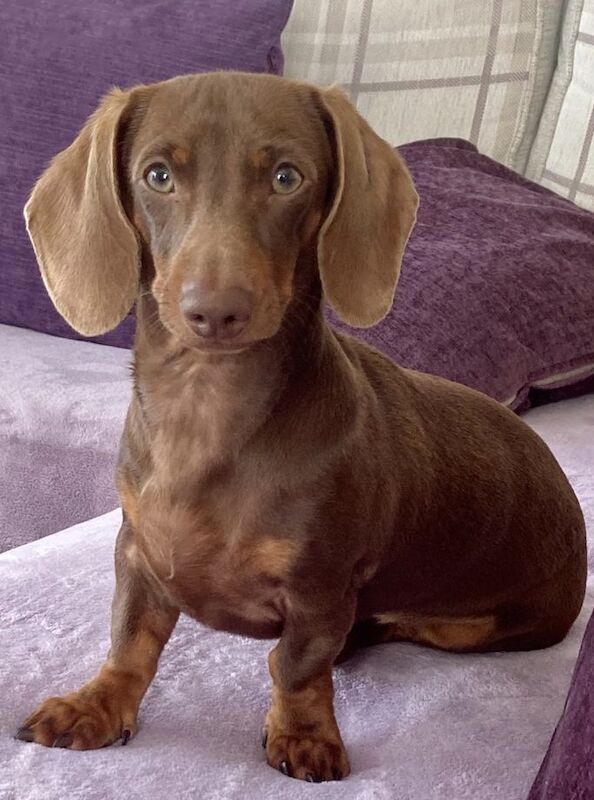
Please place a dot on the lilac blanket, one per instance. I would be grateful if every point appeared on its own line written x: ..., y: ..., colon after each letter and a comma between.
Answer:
x: 419, y: 724
x: 62, y: 410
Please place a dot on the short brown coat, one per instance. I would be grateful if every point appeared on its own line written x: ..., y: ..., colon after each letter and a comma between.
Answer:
x: 302, y: 485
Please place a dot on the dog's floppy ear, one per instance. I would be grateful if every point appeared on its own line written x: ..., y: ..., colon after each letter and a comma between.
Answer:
x: 362, y: 240
x: 87, y: 250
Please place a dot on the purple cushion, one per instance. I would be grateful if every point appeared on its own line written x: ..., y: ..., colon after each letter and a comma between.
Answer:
x: 58, y: 58
x: 496, y: 290
x: 567, y: 771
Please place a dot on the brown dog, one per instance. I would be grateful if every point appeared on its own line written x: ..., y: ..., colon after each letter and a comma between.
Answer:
x: 279, y: 479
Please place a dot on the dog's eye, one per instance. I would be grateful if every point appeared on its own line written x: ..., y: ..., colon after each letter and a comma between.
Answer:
x: 159, y: 178
x: 286, y: 179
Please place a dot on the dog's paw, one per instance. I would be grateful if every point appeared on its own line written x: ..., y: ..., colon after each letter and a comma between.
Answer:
x: 307, y: 758
x: 83, y: 720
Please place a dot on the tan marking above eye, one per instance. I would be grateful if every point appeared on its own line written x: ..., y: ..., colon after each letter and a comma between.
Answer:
x: 260, y: 159
x: 180, y: 156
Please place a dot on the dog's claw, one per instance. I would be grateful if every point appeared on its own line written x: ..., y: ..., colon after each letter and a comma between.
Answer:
x: 25, y: 735
x: 65, y: 740
x: 284, y: 768
x: 264, y: 739
x: 125, y: 736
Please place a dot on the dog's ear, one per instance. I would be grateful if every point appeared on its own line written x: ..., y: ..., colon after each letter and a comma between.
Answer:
x: 87, y: 250
x: 373, y: 210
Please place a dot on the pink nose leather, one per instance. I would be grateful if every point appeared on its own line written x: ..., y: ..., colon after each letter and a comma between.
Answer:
x: 218, y: 315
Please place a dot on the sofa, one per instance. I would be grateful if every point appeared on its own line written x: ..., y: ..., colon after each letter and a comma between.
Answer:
x: 491, y: 105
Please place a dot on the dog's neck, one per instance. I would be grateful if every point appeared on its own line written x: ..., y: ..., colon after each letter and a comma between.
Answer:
x: 206, y: 406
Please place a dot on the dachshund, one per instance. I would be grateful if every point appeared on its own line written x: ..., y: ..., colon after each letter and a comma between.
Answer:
x: 280, y: 479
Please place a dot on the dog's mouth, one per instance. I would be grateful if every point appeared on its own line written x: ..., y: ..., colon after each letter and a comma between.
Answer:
x: 256, y: 335
x: 228, y: 348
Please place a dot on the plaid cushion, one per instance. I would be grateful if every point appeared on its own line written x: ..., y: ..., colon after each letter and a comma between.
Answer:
x: 420, y: 69
x: 563, y: 156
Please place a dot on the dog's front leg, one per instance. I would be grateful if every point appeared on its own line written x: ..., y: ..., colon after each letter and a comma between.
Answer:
x: 301, y: 736
x: 105, y: 708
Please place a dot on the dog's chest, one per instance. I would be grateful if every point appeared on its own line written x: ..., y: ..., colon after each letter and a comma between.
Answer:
x: 216, y: 525
x: 226, y: 560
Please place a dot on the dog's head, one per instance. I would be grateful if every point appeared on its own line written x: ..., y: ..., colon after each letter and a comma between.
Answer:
x: 222, y: 179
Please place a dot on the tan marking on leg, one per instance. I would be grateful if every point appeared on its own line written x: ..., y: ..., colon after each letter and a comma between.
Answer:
x: 301, y: 729
x: 129, y: 502
x: 104, y: 708
x: 462, y: 633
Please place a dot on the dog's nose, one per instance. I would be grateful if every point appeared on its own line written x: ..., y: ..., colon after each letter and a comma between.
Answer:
x: 216, y: 315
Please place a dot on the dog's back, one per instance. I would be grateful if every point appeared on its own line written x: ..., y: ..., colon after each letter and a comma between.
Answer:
x: 487, y: 522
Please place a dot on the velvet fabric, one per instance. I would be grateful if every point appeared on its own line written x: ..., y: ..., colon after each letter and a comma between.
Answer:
x: 62, y: 410
x: 419, y: 724
x: 496, y: 288
x: 57, y: 60
x: 567, y: 772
